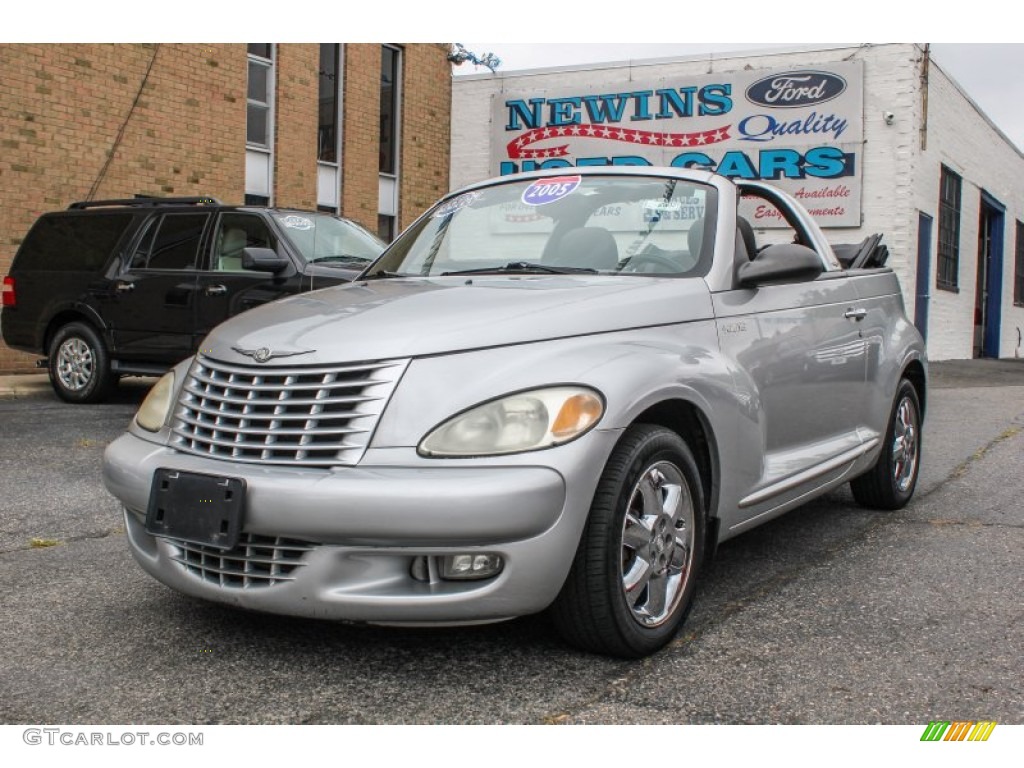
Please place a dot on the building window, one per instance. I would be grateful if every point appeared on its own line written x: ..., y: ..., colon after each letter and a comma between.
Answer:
x: 259, y: 126
x: 261, y: 68
x: 1018, y: 267
x: 390, y: 77
x: 386, y: 228
x: 949, y: 230
x: 327, y: 133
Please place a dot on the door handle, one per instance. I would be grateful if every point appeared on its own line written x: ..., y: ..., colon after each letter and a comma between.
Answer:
x: 856, y: 314
x: 124, y: 286
x: 215, y: 290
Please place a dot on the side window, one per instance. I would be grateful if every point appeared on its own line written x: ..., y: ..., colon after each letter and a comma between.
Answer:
x: 236, y: 231
x: 171, y: 242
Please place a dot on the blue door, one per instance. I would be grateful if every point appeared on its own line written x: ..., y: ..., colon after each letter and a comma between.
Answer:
x: 924, y: 270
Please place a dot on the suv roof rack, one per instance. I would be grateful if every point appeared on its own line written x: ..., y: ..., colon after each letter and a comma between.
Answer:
x: 145, y: 202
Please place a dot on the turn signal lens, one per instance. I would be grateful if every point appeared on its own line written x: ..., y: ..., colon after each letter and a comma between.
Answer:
x: 577, y: 414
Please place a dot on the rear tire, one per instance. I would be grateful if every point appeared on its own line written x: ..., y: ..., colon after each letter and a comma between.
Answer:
x: 891, y: 482
x: 632, y: 581
x: 79, y: 364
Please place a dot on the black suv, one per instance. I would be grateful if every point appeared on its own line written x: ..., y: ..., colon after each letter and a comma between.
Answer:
x: 130, y: 287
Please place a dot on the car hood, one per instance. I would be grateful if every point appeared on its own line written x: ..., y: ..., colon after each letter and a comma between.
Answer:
x: 408, y: 317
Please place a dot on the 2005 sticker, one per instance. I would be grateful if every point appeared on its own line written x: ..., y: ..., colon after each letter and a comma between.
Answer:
x: 544, y: 191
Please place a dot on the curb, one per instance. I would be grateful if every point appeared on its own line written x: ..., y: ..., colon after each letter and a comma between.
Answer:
x: 24, y: 385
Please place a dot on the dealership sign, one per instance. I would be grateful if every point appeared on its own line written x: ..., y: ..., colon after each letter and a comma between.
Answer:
x: 799, y: 128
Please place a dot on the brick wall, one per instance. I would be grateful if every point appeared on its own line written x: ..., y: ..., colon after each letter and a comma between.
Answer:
x: 426, y: 129
x: 360, y: 145
x: 63, y: 107
x: 61, y: 110
x: 295, y: 132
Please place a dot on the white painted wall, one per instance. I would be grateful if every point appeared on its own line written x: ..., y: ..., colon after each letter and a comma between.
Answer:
x: 962, y: 139
x: 899, y: 177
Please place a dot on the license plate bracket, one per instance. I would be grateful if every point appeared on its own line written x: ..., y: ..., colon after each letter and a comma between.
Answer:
x: 197, y: 508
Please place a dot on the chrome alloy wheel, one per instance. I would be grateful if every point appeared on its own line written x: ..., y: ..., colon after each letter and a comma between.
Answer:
x: 657, y: 544
x: 75, y: 363
x: 905, y: 444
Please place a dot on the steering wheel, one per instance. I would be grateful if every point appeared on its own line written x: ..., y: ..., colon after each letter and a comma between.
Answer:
x: 647, y: 257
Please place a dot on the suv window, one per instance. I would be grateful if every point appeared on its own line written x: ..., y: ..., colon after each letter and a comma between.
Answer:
x: 67, y: 242
x: 171, y: 242
x: 236, y: 231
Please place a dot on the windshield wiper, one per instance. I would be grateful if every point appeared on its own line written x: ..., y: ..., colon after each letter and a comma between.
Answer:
x: 522, y: 266
x: 383, y: 274
x: 341, y: 257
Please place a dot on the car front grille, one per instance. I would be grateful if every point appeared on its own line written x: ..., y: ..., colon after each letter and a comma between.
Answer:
x: 318, y: 416
x: 256, y: 561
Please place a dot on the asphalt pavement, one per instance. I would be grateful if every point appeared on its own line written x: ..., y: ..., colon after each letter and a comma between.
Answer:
x: 829, y: 614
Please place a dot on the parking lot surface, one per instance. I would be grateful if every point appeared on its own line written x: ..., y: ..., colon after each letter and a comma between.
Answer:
x: 829, y: 614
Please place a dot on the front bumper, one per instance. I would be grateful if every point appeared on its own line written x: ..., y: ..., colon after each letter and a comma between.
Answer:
x: 357, y: 532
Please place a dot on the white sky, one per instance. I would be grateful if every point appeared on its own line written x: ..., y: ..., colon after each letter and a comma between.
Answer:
x: 982, y: 51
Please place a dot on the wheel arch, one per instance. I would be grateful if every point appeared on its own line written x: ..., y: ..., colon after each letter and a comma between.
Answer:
x: 71, y: 315
x: 914, y: 371
x: 688, y: 421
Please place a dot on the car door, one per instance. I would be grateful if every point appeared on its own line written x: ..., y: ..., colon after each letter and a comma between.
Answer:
x: 150, y: 305
x: 226, y: 289
x: 801, y: 358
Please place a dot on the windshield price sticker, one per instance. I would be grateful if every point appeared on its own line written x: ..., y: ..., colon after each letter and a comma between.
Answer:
x: 297, y: 222
x: 456, y: 204
x: 551, y: 190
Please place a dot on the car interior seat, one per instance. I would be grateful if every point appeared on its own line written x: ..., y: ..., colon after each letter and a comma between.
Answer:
x: 591, y: 247
x: 229, y: 253
x: 746, y: 232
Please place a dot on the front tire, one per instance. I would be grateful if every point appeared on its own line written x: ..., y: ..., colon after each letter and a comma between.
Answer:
x: 79, y: 365
x: 891, y: 482
x: 632, y: 581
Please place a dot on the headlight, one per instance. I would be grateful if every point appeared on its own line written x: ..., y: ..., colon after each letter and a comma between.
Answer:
x: 525, y: 421
x: 153, y: 412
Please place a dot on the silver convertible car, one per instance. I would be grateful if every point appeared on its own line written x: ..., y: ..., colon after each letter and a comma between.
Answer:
x: 555, y: 391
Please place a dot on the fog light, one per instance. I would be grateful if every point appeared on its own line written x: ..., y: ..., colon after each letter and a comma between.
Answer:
x: 476, y: 566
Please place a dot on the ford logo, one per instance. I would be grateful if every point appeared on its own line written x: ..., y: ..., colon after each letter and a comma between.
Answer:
x: 796, y: 89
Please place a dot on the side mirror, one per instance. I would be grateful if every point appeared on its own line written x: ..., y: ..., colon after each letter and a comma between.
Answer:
x: 784, y: 263
x: 263, y: 260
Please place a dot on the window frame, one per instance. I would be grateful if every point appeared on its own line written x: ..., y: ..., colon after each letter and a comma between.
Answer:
x: 396, y: 113
x: 1018, y: 266
x: 270, y: 64
x: 947, y: 273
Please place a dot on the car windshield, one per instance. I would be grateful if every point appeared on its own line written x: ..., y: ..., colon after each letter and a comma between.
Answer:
x: 561, y: 224
x: 324, y: 239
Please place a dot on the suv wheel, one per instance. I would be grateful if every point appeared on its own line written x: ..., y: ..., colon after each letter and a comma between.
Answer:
x: 79, y: 364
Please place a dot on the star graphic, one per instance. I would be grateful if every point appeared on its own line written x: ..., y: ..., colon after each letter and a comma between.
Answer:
x: 702, y: 139
x: 591, y: 130
x: 575, y: 130
x: 560, y: 132
x: 652, y: 138
x: 546, y: 132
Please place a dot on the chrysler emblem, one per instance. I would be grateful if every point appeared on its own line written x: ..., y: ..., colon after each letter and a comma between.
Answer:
x: 264, y: 354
